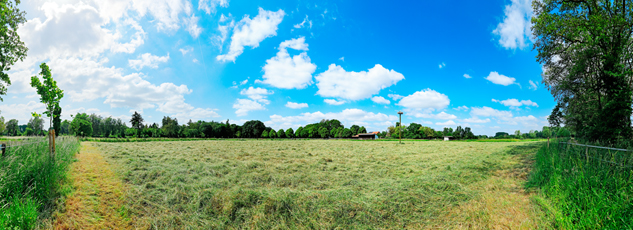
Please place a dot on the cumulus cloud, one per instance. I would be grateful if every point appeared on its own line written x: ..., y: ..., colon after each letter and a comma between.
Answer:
x: 22, y: 112
x: 467, y: 76
x: 439, y: 116
x: 347, y: 117
x: 499, y: 79
x: 446, y: 123
x: 209, y: 6
x: 476, y: 120
x: 166, y: 12
x: 336, y: 82
x: 243, y: 106
x: 395, y: 97
x: 294, y: 105
x: 333, y: 102
x: 533, y: 85
x: 257, y: 94
x: 516, y: 103
x: 463, y: 107
x: 250, y: 32
x: 186, y: 50
x: 425, y: 99
x: 380, y: 100
x: 286, y: 72
x: 192, y: 27
x: 515, y: 29
x: 489, y: 112
x: 148, y: 60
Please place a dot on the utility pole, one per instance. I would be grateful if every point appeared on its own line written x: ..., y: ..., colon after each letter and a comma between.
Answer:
x: 400, y: 124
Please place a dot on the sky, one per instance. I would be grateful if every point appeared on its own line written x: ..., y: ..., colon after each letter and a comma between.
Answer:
x: 287, y: 63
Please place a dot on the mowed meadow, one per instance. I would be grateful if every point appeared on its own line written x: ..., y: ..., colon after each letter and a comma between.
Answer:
x: 322, y: 184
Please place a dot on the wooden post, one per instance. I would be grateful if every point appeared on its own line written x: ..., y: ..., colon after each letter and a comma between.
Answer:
x: 4, y: 148
x: 51, y: 143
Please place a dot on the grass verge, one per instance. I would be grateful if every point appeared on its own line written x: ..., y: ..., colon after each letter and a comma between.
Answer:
x: 582, y: 191
x: 31, y: 181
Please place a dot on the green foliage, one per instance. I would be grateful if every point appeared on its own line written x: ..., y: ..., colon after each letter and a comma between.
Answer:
x: 2, y: 126
x: 36, y: 124
x: 57, y: 119
x: 253, y: 129
x: 584, y: 47
x: 264, y: 134
x: 362, y: 130
x: 49, y: 93
x: 12, y: 48
x: 354, y: 129
x: 12, y: 127
x: 32, y: 181
x: 81, y: 126
x: 581, y: 189
x: 290, y: 133
x: 281, y: 133
x: 272, y: 133
x: 170, y: 127
x: 323, y: 132
x: 137, y: 122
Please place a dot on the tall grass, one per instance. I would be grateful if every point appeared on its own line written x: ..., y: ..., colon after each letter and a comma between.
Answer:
x: 585, y: 188
x: 30, y: 181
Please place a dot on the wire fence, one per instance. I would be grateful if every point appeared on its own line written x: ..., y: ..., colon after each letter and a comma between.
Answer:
x: 613, y: 157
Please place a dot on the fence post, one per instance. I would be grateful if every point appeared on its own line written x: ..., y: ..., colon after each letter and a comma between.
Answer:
x: 51, y: 143
x: 587, y: 154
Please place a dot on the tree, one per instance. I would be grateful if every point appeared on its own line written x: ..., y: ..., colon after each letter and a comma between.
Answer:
x: 12, y: 128
x: 334, y: 133
x: 253, y: 129
x: 57, y: 120
x: 81, y: 126
x: 347, y: 133
x: 49, y: 93
x: 170, y: 127
x: 281, y: 133
x: 36, y: 124
x: 517, y: 134
x: 459, y: 133
x: 468, y: 134
x: 354, y: 129
x: 272, y: 133
x: 137, y: 122
x: 12, y: 48
x: 584, y: 47
x: 323, y: 132
x: 2, y: 126
x: 298, y: 132
x: 290, y: 133
x: 362, y: 130
x: 264, y: 134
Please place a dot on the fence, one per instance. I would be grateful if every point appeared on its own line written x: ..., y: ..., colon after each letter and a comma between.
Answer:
x: 621, y: 158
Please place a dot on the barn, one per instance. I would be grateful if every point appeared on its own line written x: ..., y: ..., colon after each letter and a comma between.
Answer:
x: 367, y: 136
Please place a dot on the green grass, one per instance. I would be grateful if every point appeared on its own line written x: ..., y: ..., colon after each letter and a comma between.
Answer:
x: 30, y: 182
x: 582, y: 192
x: 306, y: 184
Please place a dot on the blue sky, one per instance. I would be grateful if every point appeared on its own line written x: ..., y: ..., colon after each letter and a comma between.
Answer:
x: 287, y: 63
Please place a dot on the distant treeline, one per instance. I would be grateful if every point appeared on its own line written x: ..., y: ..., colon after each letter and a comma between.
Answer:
x: 94, y: 125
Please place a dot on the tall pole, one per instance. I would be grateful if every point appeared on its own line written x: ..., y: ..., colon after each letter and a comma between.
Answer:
x: 400, y: 124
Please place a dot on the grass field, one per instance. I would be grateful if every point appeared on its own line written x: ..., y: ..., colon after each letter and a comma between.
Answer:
x: 325, y: 184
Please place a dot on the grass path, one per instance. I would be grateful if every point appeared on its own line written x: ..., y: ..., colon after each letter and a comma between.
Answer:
x: 97, y: 200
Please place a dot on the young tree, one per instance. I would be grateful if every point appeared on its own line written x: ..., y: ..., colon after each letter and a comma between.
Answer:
x: 281, y: 133
x: 57, y: 120
x: 12, y: 48
x: 49, y: 92
x: 272, y: 133
x: 137, y: 122
x: 264, y: 134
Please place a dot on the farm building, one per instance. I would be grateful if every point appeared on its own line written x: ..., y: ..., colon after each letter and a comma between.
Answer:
x: 448, y: 138
x: 367, y: 136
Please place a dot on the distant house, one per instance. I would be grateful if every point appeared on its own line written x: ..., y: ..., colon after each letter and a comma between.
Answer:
x: 448, y: 138
x: 367, y: 136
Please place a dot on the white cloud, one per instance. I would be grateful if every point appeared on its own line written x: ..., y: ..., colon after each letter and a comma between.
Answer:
x: 22, y: 112
x: 244, y: 106
x: 380, y: 100
x: 257, y: 94
x: 209, y: 6
x: 533, y: 85
x: 442, y: 65
x: 334, y: 102
x: 347, y: 117
x: 515, y: 30
x: 342, y: 59
x: 446, y: 123
x: 425, y: 99
x: 192, y: 26
x: 395, y: 97
x: 196, y: 114
x: 186, y: 50
x: 336, y: 82
x: 476, y: 120
x: 148, y: 60
x: 294, y: 105
x: 499, y: 79
x: 302, y: 24
x: 195, y: 60
x: 283, y: 71
x: 467, y: 76
x: 516, y: 103
x: 439, y: 116
x: 250, y: 32
x: 463, y: 107
x: 489, y: 112
x: 166, y: 12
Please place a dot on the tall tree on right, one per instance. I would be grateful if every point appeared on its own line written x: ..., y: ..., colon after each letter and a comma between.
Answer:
x: 137, y: 122
x: 585, y: 47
